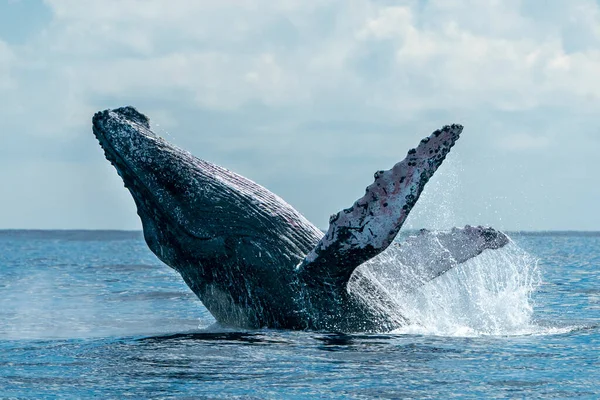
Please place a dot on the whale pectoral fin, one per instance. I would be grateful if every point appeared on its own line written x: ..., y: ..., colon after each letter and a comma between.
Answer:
x: 423, y: 257
x: 368, y: 227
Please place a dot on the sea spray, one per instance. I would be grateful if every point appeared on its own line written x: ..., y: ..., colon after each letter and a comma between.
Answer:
x: 490, y: 294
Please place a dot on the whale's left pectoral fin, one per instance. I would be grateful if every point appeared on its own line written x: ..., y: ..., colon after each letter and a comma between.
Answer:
x: 368, y: 227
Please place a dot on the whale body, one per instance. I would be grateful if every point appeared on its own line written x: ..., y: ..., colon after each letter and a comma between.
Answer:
x: 256, y: 262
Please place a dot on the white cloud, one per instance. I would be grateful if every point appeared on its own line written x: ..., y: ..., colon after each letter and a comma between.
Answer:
x: 466, y: 65
x: 390, y: 22
x: 318, y: 84
x: 225, y: 54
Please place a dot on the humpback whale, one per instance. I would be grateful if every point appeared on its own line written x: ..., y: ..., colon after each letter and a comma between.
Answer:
x: 256, y: 262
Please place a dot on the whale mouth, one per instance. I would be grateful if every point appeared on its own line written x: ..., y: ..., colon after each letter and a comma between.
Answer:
x: 110, y: 152
x: 106, y: 126
x: 138, y: 155
x: 138, y: 190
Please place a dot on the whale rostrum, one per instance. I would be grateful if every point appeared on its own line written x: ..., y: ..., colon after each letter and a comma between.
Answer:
x: 252, y: 259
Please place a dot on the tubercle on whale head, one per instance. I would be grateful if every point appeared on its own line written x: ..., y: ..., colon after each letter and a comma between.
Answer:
x: 124, y: 133
x: 128, y: 113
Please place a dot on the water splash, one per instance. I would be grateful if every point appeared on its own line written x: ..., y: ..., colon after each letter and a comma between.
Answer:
x: 490, y: 294
x: 437, y: 206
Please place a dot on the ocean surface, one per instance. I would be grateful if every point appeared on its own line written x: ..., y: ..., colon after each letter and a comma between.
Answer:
x: 96, y: 314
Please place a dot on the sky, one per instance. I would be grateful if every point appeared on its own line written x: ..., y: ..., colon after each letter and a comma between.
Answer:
x: 309, y: 99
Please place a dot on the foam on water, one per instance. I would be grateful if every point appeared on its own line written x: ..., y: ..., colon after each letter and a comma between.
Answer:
x: 490, y: 294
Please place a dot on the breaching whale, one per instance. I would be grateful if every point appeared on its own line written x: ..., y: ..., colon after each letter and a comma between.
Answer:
x: 256, y: 262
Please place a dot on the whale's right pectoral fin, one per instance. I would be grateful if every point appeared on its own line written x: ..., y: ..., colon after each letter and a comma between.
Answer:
x: 368, y: 227
x: 429, y: 254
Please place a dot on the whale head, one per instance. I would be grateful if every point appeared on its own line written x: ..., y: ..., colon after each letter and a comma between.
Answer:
x: 181, y: 198
x: 159, y: 176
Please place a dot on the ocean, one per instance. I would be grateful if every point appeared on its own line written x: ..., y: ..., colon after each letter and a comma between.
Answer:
x: 95, y: 314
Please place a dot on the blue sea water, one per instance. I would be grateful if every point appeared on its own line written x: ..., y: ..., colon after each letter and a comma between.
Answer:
x: 95, y: 314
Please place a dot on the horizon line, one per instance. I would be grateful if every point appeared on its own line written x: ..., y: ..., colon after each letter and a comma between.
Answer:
x: 6, y: 230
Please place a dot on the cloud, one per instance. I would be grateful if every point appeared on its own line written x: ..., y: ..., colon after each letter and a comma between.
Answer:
x: 406, y: 58
x: 301, y: 91
x: 461, y: 63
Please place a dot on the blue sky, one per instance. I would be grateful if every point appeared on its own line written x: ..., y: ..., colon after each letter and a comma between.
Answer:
x: 308, y: 99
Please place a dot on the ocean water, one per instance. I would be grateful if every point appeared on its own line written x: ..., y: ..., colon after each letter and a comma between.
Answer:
x: 95, y: 314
